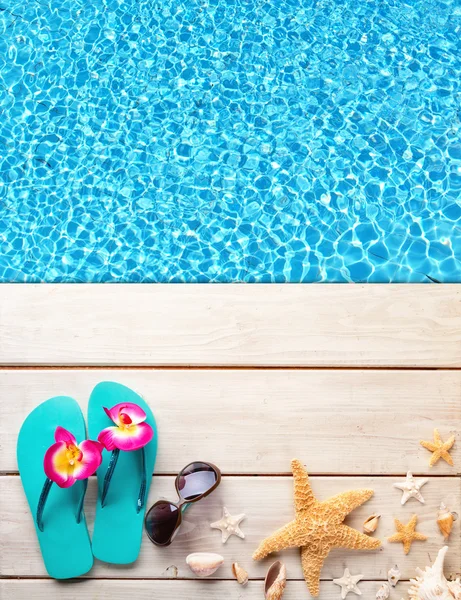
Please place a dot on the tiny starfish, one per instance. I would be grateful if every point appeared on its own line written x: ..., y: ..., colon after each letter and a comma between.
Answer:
x: 440, y: 449
x: 318, y: 527
x: 410, y: 488
x: 229, y: 525
x: 348, y: 583
x: 407, y: 534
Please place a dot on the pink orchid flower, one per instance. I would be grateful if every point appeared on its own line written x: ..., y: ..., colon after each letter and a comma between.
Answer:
x: 66, y: 461
x: 130, y: 432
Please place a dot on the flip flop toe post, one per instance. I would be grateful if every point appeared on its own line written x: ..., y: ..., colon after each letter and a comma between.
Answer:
x: 123, y: 422
x: 54, y: 461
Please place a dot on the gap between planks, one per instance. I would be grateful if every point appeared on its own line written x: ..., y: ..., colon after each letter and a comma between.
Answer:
x: 223, y: 367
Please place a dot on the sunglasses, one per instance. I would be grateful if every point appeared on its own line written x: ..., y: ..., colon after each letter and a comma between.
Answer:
x: 193, y: 483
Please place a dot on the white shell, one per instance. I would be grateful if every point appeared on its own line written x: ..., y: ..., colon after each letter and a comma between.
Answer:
x: 239, y: 573
x: 383, y: 592
x: 431, y: 584
x: 204, y: 564
x: 393, y: 576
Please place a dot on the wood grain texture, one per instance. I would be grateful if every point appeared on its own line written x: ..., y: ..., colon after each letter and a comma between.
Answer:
x: 173, y: 590
x: 268, y: 504
x: 288, y: 325
x: 256, y: 421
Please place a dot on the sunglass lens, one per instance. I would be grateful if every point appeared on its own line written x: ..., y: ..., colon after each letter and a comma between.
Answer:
x: 161, y: 522
x: 196, y: 479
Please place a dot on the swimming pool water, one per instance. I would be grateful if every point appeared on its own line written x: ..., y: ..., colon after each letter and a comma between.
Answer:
x: 230, y: 140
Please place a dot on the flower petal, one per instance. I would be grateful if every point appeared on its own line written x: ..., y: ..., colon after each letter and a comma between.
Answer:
x: 129, y: 438
x: 56, y: 465
x: 112, y: 413
x: 133, y: 411
x: 62, y: 435
x: 106, y: 438
x: 90, y: 461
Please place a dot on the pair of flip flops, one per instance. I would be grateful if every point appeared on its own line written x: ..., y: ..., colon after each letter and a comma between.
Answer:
x: 54, y: 465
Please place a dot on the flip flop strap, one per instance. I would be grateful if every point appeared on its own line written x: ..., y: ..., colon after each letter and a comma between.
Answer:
x: 44, y: 497
x: 110, y: 471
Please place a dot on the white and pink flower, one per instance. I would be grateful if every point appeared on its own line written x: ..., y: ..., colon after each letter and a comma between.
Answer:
x: 130, y: 431
x: 66, y: 461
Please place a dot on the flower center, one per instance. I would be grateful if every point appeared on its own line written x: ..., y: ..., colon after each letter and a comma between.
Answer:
x: 73, y: 453
x: 125, y: 421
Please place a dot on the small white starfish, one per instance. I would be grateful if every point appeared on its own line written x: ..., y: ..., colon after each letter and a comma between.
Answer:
x: 348, y: 583
x: 410, y: 488
x: 229, y: 525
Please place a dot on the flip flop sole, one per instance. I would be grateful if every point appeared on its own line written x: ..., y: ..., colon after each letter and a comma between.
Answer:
x: 65, y: 544
x: 118, y: 526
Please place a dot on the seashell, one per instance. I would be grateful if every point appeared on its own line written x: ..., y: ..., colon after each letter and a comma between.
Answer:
x: 383, y: 592
x: 393, y: 576
x: 275, y: 582
x: 431, y: 584
x: 204, y: 564
x: 445, y: 520
x: 240, y: 574
x: 371, y: 523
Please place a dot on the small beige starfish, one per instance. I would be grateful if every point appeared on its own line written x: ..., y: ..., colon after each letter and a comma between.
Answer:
x: 440, y: 449
x: 407, y: 534
x: 229, y: 525
x: 348, y: 583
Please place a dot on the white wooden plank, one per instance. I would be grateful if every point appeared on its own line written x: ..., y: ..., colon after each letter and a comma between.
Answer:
x: 268, y: 504
x: 290, y: 325
x: 166, y: 590
x: 256, y: 421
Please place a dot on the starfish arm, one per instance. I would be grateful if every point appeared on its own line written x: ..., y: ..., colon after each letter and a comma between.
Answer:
x: 397, y: 537
x: 347, y: 537
x: 435, y: 458
x: 429, y: 446
x: 281, y: 539
x: 400, y: 486
x: 312, y: 563
x: 437, y: 438
x: 419, y: 497
x: 304, y: 498
x: 447, y: 458
x: 449, y: 443
x: 407, y: 545
x: 342, y: 504
x: 419, y: 536
x: 405, y: 498
x: 412, y: 523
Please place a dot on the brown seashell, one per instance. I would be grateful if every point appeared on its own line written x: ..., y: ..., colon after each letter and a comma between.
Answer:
x: 445, y: 521
x: 240, y: 574
x: 275, y: 582
x: 371, y: 523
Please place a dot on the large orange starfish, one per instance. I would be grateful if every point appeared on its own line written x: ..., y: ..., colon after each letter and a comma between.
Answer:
x: 318, y: 527
x: 440, y: 449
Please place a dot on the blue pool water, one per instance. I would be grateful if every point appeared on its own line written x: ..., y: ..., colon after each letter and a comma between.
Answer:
x: 230, y: 140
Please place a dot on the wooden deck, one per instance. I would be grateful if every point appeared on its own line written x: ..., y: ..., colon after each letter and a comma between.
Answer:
x: 346, y: 378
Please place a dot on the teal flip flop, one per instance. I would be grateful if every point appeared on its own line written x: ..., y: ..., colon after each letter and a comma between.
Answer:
x: 125, y: 425
x: 57, y: 505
